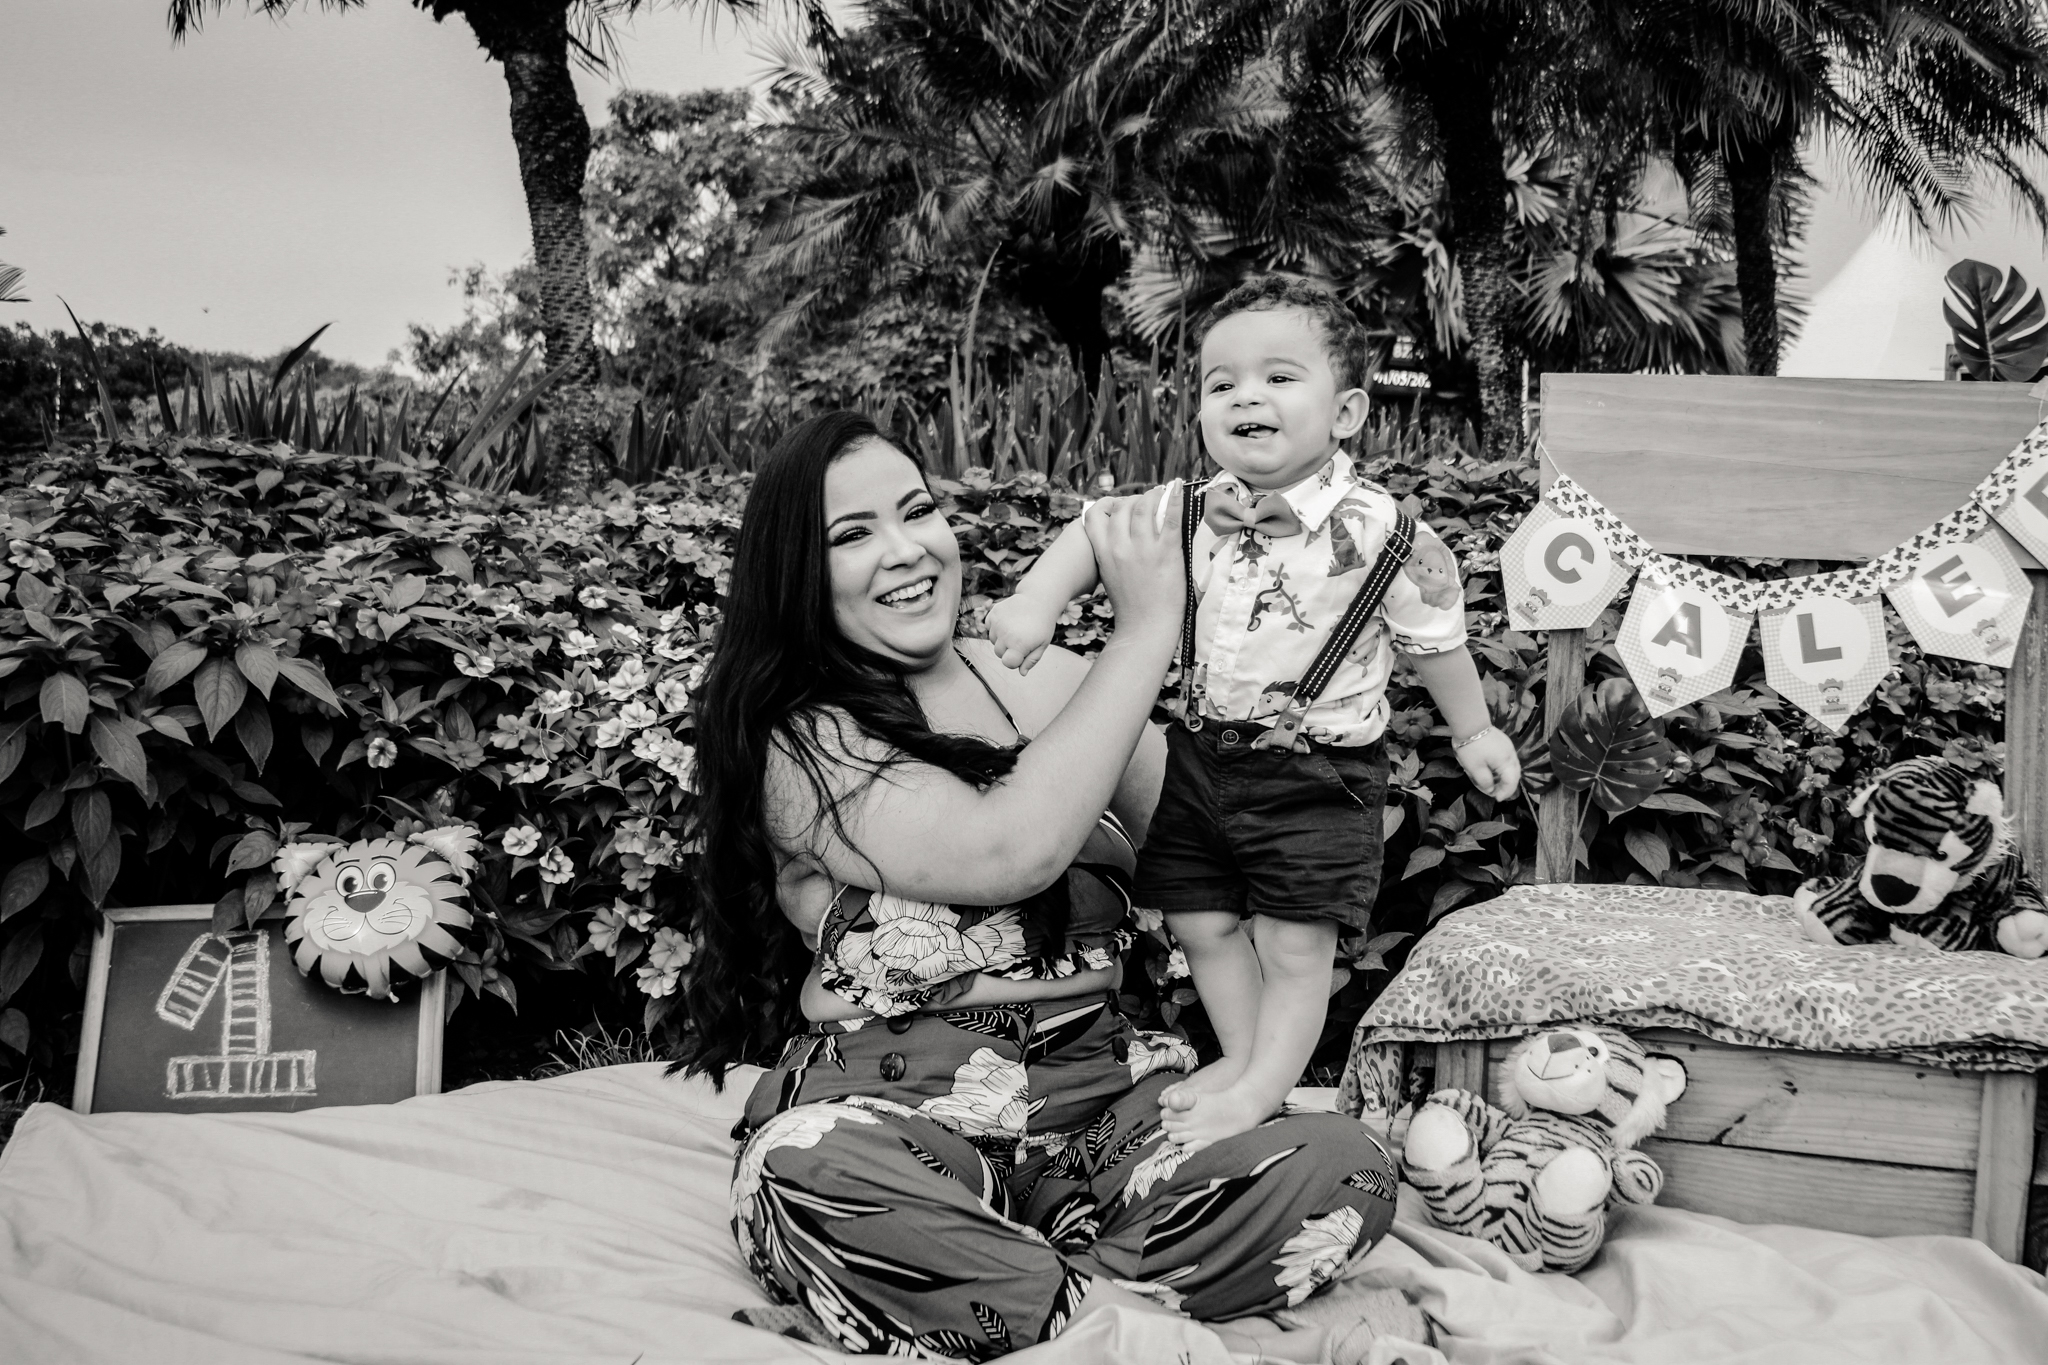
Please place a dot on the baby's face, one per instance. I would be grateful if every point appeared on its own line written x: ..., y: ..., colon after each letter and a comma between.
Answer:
x: 1271, y: 409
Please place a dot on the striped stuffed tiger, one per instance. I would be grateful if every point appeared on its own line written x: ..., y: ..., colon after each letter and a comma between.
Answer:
x: 1535, y: 1179
x: 1941, y: 869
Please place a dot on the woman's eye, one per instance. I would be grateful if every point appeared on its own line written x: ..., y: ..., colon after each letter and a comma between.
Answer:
x: 923, y: 509
x: 849, y: 535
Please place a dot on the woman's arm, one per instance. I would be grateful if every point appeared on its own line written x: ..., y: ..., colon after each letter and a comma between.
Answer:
x: 919, y: 832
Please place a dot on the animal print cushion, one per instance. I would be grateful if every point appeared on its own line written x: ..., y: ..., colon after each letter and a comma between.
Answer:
x: 1727, y: 964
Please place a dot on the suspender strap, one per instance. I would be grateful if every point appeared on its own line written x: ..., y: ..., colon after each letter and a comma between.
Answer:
x: 1192, y: 500
x: 1287, y: 725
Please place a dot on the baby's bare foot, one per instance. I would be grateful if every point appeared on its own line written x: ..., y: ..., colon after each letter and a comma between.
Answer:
x: 1213, y: 1116
x: 1218, y: 1076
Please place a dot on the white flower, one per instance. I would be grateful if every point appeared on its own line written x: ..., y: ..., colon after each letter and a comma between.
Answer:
x: 555, y: 867
x: 521, y: 840
x: 382, y: 753
x: 1177, y: 964
x: 607, y: 926
x: 679, y: 761
x: 655, y: 513
x: 456, y: 843
x: 24, y: 554
x: 671, y: 951
x: 631, y: 677
x: 638, y: 715
x: 1312, y: 1257
x: 672, y: 649
x: 611, y: 733
x: 535, y: 771
x: 991, y: 1096
x: 638, y: 917
x: 1157, y: 1167
x: 625, y: 634
x: 555, y: 700
x: 578, y: 644
x: 671, y: 694
x: 802, y: 1126
x: 648, y: 745
x: 592, y: 597
x: 654, y: 981
x: 475, y: 665
x: 1146, y: 920
x: 671, y: 619
x: 696, y: 678
x: 294, y: 861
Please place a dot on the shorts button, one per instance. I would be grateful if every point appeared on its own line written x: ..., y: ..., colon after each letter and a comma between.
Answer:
x: 1230, y: 736
x: 900, y: 1024
x: 892, y: 1067
x: 1120, y: 1048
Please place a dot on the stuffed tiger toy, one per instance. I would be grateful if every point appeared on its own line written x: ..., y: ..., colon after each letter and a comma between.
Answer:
x: 1941, y: 869
x: 1535, y: 1179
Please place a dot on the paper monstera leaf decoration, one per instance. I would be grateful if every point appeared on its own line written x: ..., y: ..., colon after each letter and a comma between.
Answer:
x: 372, y: 915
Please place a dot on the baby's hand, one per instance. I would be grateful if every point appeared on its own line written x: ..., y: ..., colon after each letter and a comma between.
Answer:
x: 1019, y: 629
x: 1489, y: 759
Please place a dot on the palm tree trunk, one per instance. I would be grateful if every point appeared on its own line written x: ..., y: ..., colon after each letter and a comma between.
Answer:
x: 530, y: 40
x: 1751, y: 180
x: 1461, y: 78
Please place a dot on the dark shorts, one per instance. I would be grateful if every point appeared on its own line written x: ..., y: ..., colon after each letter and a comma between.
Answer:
x: 1259, y: 832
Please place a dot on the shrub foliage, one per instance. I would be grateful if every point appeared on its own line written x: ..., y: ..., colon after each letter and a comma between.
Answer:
x: 209, y: 647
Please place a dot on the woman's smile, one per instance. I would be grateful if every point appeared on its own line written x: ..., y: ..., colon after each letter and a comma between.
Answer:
x: 911, y: 596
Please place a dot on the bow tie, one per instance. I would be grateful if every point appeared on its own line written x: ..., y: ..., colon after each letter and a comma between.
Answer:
x: 1269, y: 514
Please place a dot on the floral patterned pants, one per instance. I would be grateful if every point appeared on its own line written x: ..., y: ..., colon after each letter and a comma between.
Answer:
x: 952, y: 1184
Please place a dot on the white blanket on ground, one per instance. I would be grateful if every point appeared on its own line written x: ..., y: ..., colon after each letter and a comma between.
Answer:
x: 583, y: 1219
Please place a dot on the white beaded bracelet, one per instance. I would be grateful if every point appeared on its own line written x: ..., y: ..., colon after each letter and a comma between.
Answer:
x: 1472, y: 738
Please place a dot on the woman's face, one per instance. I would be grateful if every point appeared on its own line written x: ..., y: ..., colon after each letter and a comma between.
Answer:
x: 895, y: 565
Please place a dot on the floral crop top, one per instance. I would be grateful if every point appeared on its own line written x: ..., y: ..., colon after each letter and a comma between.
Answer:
x: 894, y: 956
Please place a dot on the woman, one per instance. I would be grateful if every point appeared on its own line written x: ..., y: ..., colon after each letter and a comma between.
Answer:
x: 914, y: 870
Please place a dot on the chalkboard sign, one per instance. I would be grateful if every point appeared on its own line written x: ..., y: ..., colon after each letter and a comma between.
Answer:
x: 179, y: 1019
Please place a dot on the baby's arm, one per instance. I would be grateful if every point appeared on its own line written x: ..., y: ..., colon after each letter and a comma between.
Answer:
x: 1486, y: 755
x: 1021, y: 625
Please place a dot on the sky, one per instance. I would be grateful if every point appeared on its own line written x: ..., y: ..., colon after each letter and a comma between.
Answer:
x: 265, y: 176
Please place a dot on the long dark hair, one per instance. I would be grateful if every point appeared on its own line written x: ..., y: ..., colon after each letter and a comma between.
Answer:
x: 781, y: 668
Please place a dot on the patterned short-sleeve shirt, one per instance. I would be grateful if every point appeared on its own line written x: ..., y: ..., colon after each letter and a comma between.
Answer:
x: 1265, y: 604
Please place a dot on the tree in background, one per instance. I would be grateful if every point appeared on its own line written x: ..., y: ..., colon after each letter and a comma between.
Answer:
x: 10, y: 280
x: 1034, y: 139
x: 1922, y: 99
x: 533, y: 42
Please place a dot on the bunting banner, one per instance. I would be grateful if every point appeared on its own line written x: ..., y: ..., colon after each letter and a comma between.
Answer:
x: 1957, y: 585
x: 1825, y: 654
x: 1966, y: 600
x: 1678, y: 642
x: 1558, y: 571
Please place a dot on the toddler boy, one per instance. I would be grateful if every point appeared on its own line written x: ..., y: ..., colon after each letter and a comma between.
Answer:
x: 1303, y: 578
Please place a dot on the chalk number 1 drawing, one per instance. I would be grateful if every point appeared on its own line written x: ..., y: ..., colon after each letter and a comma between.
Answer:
x: 245, y: 1067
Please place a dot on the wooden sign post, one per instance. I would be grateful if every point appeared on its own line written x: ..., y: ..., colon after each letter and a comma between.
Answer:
x: 180, y: 1019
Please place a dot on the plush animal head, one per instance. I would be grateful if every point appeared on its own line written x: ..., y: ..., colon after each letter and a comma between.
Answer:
x: 1600, y: 1074
x: 373, y: 905
x: 1932, y: 827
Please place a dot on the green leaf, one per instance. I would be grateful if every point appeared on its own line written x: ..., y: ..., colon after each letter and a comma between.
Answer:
x: 65, y: 701
x: 307, y: 676
x: 12, y: 748
x: 120, y: 751
x: 102, y: 866
x: 219, y: 689
x: 253, y: 794
x: 92, y: 818
x: 258, y: 663
x: 14, y: 1030
x: 1606, y: 744
x: 227, y: 912
x: 252, y: 727
x: 46, y: 805
x: 23, y: 883
x: 2001, y: 328
x: 258, y: 895
x: 317, y: 739
x: 1422, y: 859
x: 172, y: 662
x: 255, y: 849
x: 1681, y: 803
x: 18, y: 959
x: 1648, y: 847
x: 453, y: 559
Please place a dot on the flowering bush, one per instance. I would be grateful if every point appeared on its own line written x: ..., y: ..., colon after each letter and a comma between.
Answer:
x: 210, y: 650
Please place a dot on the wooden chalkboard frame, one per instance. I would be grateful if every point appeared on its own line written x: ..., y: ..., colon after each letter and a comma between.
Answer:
x: 433, y: 1002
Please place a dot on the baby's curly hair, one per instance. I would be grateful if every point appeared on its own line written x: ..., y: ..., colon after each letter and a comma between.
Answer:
x: 1344, y: 340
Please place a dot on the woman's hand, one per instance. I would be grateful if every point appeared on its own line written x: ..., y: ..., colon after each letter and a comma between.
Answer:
x: 1138, y: 556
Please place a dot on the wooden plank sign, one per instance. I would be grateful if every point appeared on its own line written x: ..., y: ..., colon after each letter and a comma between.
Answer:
x: 179, y: 1019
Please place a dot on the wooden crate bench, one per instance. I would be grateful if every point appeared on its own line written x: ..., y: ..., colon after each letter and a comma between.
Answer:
x: 1828, y: 1140
x: 1810, y: 469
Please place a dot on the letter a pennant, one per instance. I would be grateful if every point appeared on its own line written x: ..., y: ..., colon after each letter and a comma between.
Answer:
x: 1966, y: 600
x: 1826, y: 654
x: 1679, y: 643
x: 1558, y: 572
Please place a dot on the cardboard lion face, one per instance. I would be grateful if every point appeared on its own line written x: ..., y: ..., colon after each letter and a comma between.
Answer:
x: 373, y: 906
